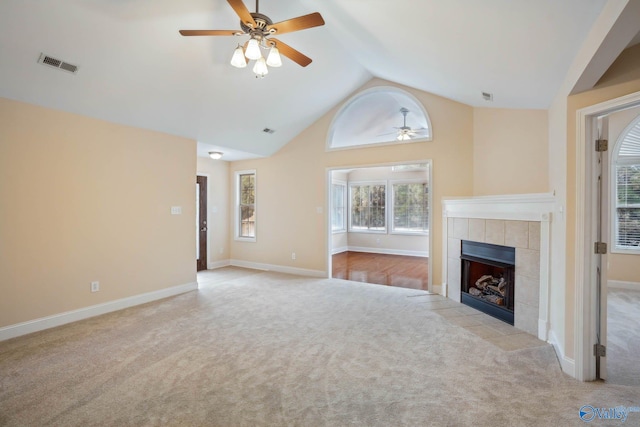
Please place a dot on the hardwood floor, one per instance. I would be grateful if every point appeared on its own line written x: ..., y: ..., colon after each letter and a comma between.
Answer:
x: 391, y: 270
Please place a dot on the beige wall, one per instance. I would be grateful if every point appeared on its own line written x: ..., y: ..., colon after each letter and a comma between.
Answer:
x: 218, y: 189
x: 86, y: 200
x: 291, y: 185
x: 510, y: 151
x: 621, y: 79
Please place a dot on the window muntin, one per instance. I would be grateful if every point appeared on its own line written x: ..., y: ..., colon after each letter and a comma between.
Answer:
x: 246, y: 205
x: 338, y: 207
x: 367, y: 207
x: 410, y: 207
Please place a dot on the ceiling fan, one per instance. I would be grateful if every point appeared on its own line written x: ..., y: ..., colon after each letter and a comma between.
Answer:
x: 261, y: 29
x: 404, y: 132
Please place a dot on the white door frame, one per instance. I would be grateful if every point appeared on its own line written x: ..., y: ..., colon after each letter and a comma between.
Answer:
x: 585, y: 259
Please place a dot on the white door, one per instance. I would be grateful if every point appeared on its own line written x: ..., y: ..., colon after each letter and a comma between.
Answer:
x: 602, y: 235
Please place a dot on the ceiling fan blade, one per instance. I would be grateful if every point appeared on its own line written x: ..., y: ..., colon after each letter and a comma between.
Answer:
x: 296, y: 24
x: 211, y: 32
x: 291, y: 53
x: 243, y: 12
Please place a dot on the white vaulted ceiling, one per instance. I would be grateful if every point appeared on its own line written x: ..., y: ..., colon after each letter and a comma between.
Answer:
x: 135, y: 69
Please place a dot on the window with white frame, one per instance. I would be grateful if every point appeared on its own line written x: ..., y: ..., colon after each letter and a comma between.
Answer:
x: 410, y: 207
x: 367, y: 207
x: 246, y: 205
x: 338, y: 206
x: 627, y: 190
x: 628, y: 206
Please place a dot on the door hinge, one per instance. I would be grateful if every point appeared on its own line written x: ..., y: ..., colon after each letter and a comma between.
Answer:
x: 599, y: 350
x: 600, y: 248
x: 602, y: 145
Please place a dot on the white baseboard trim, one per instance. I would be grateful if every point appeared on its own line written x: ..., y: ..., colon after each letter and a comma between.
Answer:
x: 618, y: 284
x: 218, y: 264
x: 543, y: 330
x: 335, y: 251
x: 385, y: 251
x: 60, y: 319
x: 567, y: 364
x: 278, y: 268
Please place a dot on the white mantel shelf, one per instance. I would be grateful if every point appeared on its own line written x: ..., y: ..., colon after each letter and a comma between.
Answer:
x: 518, y: 207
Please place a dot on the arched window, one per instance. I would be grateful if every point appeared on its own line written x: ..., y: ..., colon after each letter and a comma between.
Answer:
x: 380, y: 115
x: 626, y: 171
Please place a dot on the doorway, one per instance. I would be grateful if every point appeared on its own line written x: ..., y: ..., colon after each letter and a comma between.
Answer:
x: 623, y: 294
x: 201, y: 223
x: 378, y: 222
x: 594, y: 225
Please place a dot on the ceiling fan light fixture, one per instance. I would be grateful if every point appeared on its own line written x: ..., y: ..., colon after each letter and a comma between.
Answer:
x: 274, y: 59
x: 260, y: 29
x: 404, y: 137
x: 261, y: 68
x: 253, y: 50
x: 238, y: 60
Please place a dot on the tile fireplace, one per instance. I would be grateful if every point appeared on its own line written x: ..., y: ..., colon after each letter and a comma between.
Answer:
x: 515, y: 288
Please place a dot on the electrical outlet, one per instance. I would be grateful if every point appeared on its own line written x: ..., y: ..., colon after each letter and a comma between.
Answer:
x: 293, y: 255
x: 95, y: 286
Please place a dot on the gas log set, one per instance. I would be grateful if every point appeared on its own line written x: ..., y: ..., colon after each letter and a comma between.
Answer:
x: 489, y: 288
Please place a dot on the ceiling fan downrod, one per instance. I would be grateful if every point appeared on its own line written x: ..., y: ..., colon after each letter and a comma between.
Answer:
x: 404, y: 112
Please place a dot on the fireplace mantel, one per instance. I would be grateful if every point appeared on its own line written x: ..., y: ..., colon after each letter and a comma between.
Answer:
x: 516, y: 207
x: 506, y: 211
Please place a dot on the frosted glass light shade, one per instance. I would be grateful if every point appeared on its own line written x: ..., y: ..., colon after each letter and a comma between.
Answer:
x: 274, y: 60
x: 215, y: 155
x: 253, y: 50
x: 261, y: 68
x: 237, y: 60
x: 403, y: 137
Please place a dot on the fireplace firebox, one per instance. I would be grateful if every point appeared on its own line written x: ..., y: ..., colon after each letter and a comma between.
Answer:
x: 488, y: 276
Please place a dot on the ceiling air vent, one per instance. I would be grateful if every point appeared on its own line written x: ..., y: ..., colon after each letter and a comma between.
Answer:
x: 57, y: 63
x: 487, y: 96
x: 267, y: 130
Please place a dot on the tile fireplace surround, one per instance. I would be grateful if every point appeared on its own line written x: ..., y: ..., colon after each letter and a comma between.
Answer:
x: 519, y: 221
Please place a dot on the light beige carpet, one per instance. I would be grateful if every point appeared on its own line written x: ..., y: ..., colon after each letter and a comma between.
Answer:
x: 264, y: 349
x: 623, y: 337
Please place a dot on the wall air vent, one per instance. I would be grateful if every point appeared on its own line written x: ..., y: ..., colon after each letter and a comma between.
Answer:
x: 267, y: 130
x: 57, y: 63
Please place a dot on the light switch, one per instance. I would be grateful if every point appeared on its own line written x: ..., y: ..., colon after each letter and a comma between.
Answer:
x: 176, y: 210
